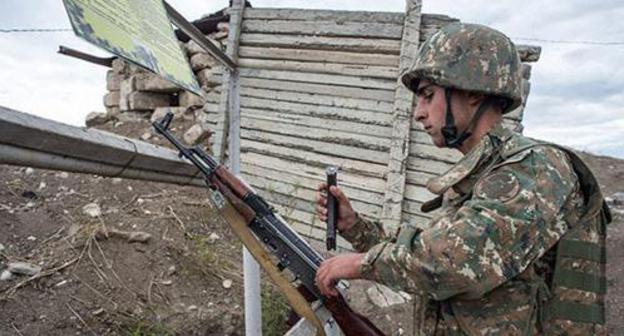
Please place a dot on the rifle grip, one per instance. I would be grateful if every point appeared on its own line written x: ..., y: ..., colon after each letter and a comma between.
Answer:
x: 332, y: 209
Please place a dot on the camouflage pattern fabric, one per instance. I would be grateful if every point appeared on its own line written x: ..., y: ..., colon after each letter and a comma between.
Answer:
x: 486, y: 258
x: 469, y: 57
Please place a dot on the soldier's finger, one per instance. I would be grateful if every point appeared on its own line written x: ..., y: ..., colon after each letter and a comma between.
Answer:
x: 321, y: 200
x: 321, y: 212
x: 336, y: 191
x: 319, y: 278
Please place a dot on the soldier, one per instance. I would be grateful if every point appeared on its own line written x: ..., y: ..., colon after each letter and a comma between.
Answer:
x: 517, y: 247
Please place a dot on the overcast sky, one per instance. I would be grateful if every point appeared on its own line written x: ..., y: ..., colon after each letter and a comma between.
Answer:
x: 577, y: 95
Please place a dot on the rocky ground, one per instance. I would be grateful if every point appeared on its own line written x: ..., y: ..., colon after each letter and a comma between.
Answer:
x: 87, y: 255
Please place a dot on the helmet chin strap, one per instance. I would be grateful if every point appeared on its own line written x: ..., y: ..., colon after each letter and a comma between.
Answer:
x: 449, y: 131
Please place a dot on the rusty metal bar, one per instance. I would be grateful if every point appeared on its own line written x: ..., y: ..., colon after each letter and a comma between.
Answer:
x: 104, y: 61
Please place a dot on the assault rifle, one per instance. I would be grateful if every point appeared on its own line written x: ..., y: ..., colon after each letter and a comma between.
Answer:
x: 291, y: 251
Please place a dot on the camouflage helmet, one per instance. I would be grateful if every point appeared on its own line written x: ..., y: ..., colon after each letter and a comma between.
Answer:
x: 469, y: 57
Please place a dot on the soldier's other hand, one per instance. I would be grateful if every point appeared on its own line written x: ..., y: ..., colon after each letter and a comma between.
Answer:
x: 346, y: 214
x: 332, y: 270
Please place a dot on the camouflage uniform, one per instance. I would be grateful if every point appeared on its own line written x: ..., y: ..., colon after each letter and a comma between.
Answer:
x: 517, y: 248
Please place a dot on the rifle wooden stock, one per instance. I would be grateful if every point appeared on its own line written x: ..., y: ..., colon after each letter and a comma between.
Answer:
x: 351, y: 323
x: 232, y: 182
x: 243, y: 209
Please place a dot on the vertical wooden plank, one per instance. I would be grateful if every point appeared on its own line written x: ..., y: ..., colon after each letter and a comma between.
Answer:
x: 229, y: 95
x: 402, y: 115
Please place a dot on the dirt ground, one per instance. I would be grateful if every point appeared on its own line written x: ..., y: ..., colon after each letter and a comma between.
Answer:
x: 102, y: 276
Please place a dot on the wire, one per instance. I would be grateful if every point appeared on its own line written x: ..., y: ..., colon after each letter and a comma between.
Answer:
x: 606, y: 43
x: 34, y: 30
x: 603, y: 43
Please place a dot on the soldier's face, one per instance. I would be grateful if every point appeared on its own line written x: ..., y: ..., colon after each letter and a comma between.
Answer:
x: 430, y: 110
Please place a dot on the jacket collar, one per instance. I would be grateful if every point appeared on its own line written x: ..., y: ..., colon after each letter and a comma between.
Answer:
x: 469, y: 163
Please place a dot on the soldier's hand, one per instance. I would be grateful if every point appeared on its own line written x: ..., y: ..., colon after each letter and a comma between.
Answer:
x: 346, y: 214
x: 332, y: 270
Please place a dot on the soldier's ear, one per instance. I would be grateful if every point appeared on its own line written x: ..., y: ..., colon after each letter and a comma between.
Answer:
x: 475, y: 99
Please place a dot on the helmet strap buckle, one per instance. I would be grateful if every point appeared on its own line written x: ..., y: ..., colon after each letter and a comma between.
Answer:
x: 450, y: 133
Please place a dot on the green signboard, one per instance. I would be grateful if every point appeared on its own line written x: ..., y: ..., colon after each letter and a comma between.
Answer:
x: 138, y: 31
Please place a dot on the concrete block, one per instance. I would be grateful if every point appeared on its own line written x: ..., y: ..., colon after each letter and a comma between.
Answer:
x: 97, y: 118
x: 179, y: 113
x: 113, y: 80
x: 192, y: 48
x: 202, y: 61
x: 150, y: 82
x: 126, y: 87
x: 111, y: 99
x: 196, y: 134
x: 209, y: 77
x: 147, y: 100
x: 188, y: 99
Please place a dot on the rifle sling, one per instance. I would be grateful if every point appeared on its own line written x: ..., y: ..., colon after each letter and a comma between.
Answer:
x: 240, y: 228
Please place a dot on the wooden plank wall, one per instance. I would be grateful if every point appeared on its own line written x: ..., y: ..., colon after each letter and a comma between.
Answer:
x: 318, y: 88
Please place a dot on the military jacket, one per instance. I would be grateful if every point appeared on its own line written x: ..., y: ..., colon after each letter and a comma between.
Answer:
x: 484, y: 261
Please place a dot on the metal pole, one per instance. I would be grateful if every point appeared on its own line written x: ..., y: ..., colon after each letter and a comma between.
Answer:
x: 251, y: 268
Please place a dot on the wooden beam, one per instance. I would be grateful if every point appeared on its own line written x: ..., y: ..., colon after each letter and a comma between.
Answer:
x: 318, y: 123
x: 323, y: 15
x: 310, y: 183
x: 33, y: 141
x: 370, y: 142
x: 313, y: 159
x: 324, y: 89
x: 428, y: 152
x: 418, y: 178
x: 228, y: 107
x: 370, y: 29
x: 373, y: 71
x: 427, y: 166
x: 307, y: 77
x: 383, y: 108
x: 529, y: 53
x: 321, y: 147
x: 340, y: 57
x: 399, y: 148
x: 319, y: 111
x: 349, y: 44
x: 284, y: 166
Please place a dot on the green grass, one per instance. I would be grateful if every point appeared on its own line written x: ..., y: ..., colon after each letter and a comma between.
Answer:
x: 141, y: 328
x: 274, y: 312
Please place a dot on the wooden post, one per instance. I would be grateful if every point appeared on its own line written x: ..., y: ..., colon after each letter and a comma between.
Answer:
x: 229, y: 92
x: 402, y: 117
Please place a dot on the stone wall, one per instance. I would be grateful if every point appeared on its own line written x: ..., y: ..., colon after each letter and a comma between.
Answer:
x: 134, y: 93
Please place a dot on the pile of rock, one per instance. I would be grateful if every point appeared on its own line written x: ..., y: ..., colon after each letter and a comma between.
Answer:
x: 134, y: 93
